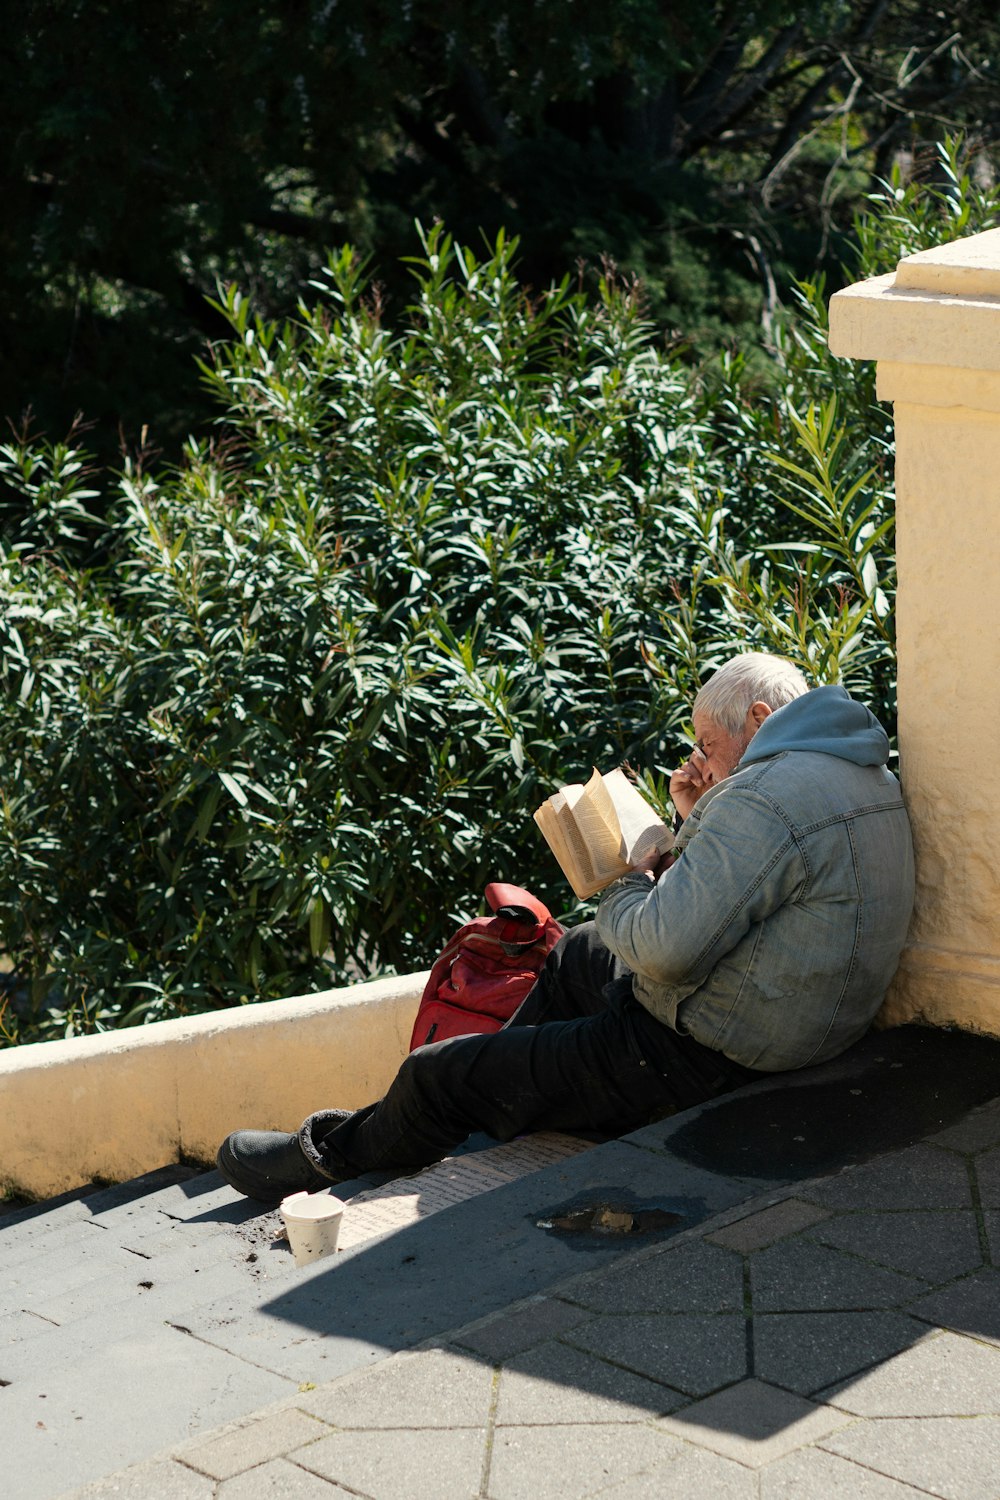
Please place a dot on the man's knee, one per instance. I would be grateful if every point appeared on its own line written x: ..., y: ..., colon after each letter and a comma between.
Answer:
x: 575, y: 938
x: 437, y: 1070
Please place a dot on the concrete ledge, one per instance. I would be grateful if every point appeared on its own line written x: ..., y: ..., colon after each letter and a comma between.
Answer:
x: 119, y: 1104
x: 883, y: 319
x: 941, y: 390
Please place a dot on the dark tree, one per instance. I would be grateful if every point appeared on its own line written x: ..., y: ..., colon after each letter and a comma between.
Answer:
x: 713, y: 147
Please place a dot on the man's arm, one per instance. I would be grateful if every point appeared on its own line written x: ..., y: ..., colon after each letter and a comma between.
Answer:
x: 741, y: 864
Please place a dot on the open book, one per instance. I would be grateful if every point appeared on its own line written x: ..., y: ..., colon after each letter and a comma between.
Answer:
x: 600, y: 831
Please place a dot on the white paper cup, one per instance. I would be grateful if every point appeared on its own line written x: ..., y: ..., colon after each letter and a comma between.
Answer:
x: 312, y: 1222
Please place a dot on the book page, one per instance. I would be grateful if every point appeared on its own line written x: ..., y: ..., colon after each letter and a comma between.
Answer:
x: 578, y: 847
x: 548, y: 822
x: 556, y: 821
x: 642, y: 830
x: 598, y: 823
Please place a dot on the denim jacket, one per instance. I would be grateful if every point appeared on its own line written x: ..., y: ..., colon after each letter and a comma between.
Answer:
x: 774, y: 936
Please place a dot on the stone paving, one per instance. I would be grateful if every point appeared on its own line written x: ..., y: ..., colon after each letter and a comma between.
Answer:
x: 839, y: 1338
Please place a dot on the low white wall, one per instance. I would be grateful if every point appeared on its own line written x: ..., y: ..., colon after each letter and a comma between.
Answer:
x: 116, y: 1105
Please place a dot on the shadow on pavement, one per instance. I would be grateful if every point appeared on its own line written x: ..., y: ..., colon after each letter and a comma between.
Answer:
x: 805, y: 1308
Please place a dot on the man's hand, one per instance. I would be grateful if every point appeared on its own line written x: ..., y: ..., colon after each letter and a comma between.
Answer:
x: 690, y: 782
x: 654, y: 864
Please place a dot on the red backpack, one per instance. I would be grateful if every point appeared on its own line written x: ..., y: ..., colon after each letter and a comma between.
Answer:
x: 488, y: 967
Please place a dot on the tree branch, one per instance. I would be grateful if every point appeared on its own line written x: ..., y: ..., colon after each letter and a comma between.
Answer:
x: 730, y: 103
x: 712, y: 82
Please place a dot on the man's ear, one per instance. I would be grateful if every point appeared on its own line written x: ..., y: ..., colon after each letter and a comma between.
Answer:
x: 758, y: 712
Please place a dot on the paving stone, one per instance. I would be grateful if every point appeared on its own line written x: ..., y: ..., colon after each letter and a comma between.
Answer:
x: 511, y: 1333
x: 969, y: 1306
x: 19, y: 1253
x: 886, y: 1092
x: 812, y: 1472
x: 38, y: 1220
x: 943, y: 1376
x: 209, y: 1203
x: 133, y: 1312
x: 797, y: 1276
x: 957, y: 1458
x: 98, y: 1206
x: 27, y: 1345
x: 164, y: 1235
x: 556, y: 1463
x: 388, y: 1465
x: 992, y: 1223
x: 767, y: 1226
x: 281, y: 1480
x: 44, y: 1276
x: 258, y: 1240
x: 920, y: 1177
x: 162, y: 1478
x: 182, y: 1262
x: 556, y: 1385
x: 694, y: 1353
x: 247, y: 1326
x: 988, y: 1178
x: 934, y: 1246
x: 753, y: 1423
x: 18, y: 1209
x: 434, y: 1388
x: 117, y: 1210
x: 978, y: 1130
x: 695, y: 1473
x: 806, y: 1351
x: 116, y: 1404
x: 691, y: 1278
x: 22, y: 1327
x: 123, y: 1289
x: 146, y: 1185
x: 244, y: 1445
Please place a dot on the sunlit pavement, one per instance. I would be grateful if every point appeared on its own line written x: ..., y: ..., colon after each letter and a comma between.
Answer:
x: 622, y: 1320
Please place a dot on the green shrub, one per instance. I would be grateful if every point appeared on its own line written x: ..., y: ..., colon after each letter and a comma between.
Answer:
x: 273, y: 722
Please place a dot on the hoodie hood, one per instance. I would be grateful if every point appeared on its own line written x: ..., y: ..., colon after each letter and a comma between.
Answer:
x: 826, y: 721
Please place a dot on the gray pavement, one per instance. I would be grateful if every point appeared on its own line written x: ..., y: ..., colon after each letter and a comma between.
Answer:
x: 833, y: 1335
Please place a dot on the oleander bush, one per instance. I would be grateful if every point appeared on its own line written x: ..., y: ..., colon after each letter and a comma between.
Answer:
x: 274, y: 718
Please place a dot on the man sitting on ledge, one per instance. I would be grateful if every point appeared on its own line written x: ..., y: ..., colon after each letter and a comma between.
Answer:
x: 767, y: 945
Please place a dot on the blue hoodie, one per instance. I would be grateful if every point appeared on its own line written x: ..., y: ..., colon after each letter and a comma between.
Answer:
x: 827, y: 721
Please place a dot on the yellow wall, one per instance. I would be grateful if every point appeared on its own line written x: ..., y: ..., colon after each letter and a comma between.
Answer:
x: 934, y: 328
x: 113, y: 1106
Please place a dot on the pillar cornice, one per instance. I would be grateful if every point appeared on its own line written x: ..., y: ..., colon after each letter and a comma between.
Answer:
x: 939, y: 307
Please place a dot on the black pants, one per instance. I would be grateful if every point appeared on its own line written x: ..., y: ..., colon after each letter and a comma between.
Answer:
x: 580, y: 1053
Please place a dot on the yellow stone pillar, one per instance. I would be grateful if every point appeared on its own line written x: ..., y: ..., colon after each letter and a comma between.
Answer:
x: 934, y: 328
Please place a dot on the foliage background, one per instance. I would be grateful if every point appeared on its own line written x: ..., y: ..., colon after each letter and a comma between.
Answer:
x: 460, y: 518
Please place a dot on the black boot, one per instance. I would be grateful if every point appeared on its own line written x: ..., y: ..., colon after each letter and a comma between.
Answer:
x: 268, y: 1165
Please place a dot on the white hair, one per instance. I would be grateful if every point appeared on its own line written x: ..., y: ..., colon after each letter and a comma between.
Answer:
x: 754, y: 677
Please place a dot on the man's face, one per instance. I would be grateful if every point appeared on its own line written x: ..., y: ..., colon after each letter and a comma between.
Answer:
x: 720, y: 751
